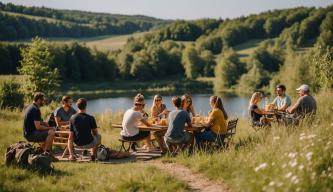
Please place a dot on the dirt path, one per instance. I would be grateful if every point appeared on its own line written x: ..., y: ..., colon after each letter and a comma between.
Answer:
x: 196, y: 181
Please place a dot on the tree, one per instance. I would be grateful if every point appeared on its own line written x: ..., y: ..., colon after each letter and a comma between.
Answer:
x: 227, y: 70
x: 192, y: 62
x: 322, y: 65
x: 36, y: 69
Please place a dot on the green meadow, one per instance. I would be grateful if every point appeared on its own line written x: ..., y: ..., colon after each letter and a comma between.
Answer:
x: 276, y: 159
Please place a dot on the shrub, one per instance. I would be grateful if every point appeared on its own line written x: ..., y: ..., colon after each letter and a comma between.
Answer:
x: 10, y: 95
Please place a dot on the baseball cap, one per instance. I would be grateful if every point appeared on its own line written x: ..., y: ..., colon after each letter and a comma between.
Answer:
x: 303, y: 87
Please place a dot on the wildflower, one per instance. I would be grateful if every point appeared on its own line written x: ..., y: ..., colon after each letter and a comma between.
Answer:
x: 309, y: 155
x: 284, y: 165
x: 261, y: 166
x: 279, y: 184
x: 276, y: 138
x: 273, y: 163
x: 293, y: 163
x: 294, y: 179
x: 331, y: 124
x: 301, y: 167
x: 272, y: 183
x: 311, y: 136
x: 292, y: 155
x: 288, y: 175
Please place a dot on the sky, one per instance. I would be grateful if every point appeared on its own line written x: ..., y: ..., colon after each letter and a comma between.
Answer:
x: 175, y: 9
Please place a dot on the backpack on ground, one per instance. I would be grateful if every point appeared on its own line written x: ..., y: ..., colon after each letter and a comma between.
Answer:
x: 40, y: 162
x: 18, y: 153
x: 103, y: 153
x: 24, y: 155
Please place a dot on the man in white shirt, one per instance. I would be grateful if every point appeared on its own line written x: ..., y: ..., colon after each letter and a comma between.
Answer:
x: 282, y: 101
x: 131, y: 119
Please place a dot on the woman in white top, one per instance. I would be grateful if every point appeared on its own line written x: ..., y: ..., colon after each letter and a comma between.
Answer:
x: 131, y: 119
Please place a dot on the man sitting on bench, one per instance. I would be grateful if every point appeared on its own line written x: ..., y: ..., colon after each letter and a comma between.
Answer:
x: 176, y: 131
x: 35, y: 129
x: 83, y: 131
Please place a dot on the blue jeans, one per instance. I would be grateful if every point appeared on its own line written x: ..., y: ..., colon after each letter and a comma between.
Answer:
x: 207, y: 135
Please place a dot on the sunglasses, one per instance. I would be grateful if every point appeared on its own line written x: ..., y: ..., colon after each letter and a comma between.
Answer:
x: 158, y: 99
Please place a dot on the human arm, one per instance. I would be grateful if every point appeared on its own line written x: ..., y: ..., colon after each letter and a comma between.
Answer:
x: 42, y: 126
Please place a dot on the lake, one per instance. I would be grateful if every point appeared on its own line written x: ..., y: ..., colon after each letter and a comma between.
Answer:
x: 236, y: 106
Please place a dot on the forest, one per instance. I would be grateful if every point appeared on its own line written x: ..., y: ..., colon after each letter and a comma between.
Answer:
x: 290, y: 39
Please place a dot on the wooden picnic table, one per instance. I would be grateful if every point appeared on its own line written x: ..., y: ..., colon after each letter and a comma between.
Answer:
x: 154, y: 127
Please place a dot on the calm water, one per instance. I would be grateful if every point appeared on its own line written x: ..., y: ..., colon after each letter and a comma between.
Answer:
x: 236, y: 106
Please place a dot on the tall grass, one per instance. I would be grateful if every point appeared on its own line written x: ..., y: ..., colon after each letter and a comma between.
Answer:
x: 279, y: 159
x: 80, y: 176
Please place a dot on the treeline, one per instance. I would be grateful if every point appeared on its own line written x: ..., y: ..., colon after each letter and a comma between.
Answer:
x: 163, y: 53
x: 63, y: 23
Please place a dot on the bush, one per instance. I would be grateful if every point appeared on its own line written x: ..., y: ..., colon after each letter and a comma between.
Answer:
x: 10, y: 95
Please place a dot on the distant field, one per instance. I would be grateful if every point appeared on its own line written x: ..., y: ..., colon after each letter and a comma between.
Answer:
x: 246, y: 49
x: 50, y: 20
x: 105, y: 43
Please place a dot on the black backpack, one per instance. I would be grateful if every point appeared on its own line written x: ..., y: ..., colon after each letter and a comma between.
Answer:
x: 24, y: 155
x: 18, y: 153
x: 40, y: 162
x: 50, y: 119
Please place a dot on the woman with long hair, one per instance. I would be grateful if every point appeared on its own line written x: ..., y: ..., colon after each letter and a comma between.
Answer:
x: 216, y: 123
x: 187, y: 105
x: 158, y: 109
x: 257, y: 114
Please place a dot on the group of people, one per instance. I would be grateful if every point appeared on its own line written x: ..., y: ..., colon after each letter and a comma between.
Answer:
x: 178, y: 118
x: 84, y: 133
x: 83, y: 128
x: 291, y: 114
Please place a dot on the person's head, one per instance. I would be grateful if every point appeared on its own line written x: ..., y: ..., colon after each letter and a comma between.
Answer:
x: 177, y: 101
x: 157, y: 100
x: 303, y: 90
x: 280, y: 90
x: 139, y: 102
x: 216, y: 103
x: 186, y: 101
x: 39, y: 99
x: 67, y: 101
x: 256, y: 98
x: 81, y: 104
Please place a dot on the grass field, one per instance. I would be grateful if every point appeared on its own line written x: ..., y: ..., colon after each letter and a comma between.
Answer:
x: 277, y: 159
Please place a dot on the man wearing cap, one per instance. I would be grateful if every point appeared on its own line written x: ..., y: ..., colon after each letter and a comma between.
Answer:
x: 131, y: 119
x: 281, y: 101
x: 305, y: 105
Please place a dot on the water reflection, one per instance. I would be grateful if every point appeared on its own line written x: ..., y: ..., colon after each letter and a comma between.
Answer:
x: 236, y: 106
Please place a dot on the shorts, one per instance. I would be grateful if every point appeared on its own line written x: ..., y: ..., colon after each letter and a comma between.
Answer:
x: 37, y: 136
x: 186, y: 138
x: 94, y: 143
x: 140, y: 136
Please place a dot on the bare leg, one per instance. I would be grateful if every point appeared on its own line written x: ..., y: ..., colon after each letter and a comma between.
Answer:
x: 49, y: 140
x: 160, y: 140
x: 70, y: 145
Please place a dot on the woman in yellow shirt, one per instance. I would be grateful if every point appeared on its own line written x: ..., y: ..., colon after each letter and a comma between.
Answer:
x: 216, y: 123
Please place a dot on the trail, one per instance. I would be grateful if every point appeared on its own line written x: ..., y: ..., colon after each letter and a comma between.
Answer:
x: 196, y: 181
